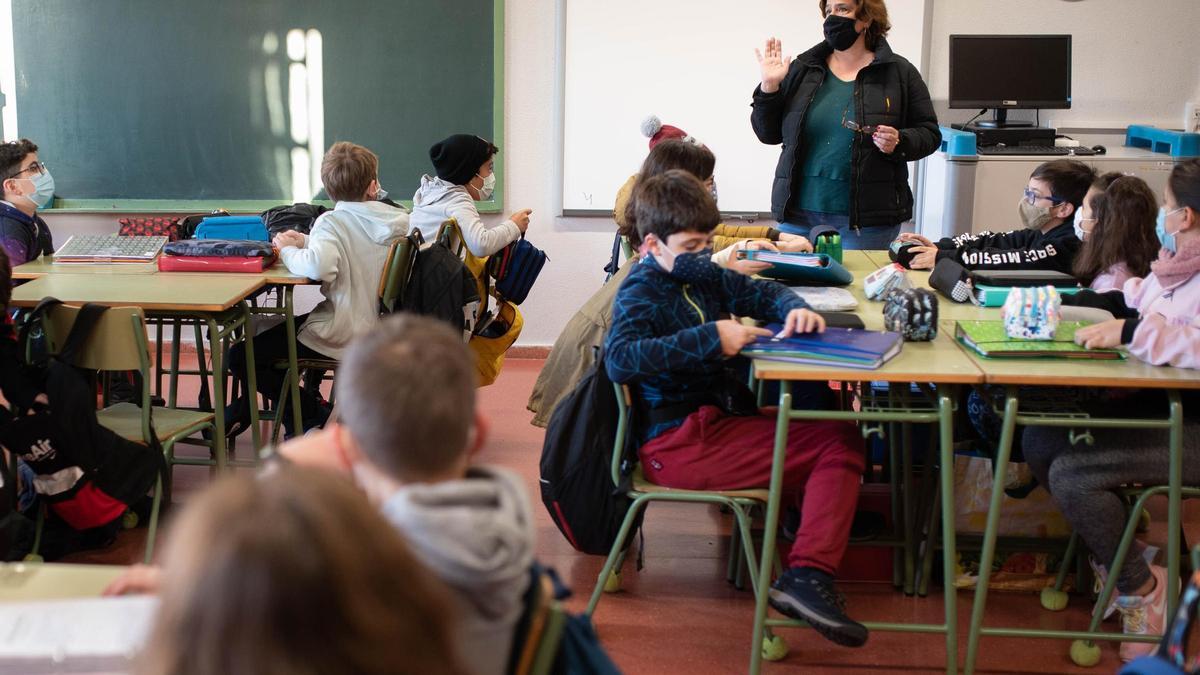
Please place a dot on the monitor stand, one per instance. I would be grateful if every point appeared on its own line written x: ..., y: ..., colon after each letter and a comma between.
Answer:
x: 1000, y: 121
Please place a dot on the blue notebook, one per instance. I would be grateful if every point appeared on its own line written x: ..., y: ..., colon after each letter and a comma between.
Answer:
x: 850, y: 347
x: 800, y: 269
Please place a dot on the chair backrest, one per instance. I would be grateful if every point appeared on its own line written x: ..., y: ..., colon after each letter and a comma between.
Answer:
x: 537, y: 653
x: 397, y: 272
x: 624, y: 406
x: 449, y: 235
x: 118, y: 341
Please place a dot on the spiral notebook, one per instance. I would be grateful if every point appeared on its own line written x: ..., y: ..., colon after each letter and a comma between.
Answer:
x: 989, y: 340
x: 812, y: 269
x: 849, y: 347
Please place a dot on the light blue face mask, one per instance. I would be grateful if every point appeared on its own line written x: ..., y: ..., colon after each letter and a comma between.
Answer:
x: 43, y: 189
x: 1160, y: 228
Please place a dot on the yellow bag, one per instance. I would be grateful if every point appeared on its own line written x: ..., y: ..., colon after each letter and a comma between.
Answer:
x: 491, y: 346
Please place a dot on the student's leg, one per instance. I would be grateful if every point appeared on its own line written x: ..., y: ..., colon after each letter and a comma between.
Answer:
x: 270, y: 346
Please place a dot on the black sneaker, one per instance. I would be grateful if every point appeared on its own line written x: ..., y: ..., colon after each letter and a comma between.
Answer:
x: 808, y: 594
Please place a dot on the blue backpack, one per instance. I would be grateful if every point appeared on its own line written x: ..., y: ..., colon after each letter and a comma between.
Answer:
x: 515, y: 268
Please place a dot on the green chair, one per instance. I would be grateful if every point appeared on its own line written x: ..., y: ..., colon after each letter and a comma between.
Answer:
x: 393, y: 281
x: 539, y: 647
x: 643, y: 492
x: 119, y: 343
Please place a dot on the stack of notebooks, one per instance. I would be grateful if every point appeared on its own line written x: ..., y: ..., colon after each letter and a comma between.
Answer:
x: 847, y: 347
x: 814, y: 269
x: 989, y: 340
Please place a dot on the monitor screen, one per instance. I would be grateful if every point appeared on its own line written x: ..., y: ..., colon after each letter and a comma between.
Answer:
x: 1010, y: 71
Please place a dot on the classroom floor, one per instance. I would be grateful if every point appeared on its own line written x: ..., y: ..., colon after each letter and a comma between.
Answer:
x: 678, y: 615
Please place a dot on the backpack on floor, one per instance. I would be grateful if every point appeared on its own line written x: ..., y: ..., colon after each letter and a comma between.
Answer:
x: 87, y: 474
x: 576, y: 474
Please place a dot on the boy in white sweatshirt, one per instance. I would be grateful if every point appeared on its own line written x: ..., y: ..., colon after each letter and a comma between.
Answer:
x: 465, y: 173
x: 346, y: 251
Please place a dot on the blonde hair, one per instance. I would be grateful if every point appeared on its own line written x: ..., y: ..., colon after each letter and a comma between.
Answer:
x: 294, y: 573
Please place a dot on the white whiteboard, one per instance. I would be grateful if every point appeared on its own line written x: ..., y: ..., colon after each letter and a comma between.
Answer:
x: 691, y: 62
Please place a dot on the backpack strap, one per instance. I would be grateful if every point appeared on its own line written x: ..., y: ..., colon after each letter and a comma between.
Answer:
x: 85, y: 322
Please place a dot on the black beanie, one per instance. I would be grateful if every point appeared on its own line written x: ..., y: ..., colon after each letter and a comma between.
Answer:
x: 458, y: 158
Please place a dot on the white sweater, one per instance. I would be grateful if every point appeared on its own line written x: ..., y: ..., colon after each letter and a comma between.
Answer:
x: 437, y: 201
x: 346, y: 251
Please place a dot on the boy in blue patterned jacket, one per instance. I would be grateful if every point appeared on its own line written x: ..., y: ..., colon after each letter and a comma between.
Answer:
x: 666, y: 339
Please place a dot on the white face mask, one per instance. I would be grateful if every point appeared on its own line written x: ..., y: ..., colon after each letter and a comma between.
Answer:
x: 1079, y: 233
x: 488, y: 188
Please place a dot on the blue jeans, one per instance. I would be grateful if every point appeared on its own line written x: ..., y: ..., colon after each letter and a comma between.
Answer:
x: 875, y: 238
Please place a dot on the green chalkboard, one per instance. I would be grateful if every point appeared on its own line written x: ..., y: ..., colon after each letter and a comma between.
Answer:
x: 162, y: 105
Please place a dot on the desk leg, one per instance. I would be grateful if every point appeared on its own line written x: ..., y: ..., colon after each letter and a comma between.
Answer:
x: 999, y: 468
x: 289, y: 319
x: 766, y: 562
x: 909, y: 517
x: 1174, y: 499
x: 949, y: 553
x: 251, y: 392
x: 218, y: 397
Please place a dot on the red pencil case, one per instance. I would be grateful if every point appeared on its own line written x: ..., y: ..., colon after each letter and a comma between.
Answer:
x: 179, y: 263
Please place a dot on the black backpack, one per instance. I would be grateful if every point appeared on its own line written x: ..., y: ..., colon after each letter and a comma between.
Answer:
x: 87, y: 474
x: 576, y: 474
x: 299, y: 217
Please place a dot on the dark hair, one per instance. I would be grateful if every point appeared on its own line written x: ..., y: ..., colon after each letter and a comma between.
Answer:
x: 5, y: 282
x: 1124, y: 232
x: 408, y: 394
x: 239, y: 599
x: 347, y: 171
x: 1185, y: 184
x: 1069, y: 179
x: 672, y: 202
x: 666, y: 156
x: 12, y: 154
x: 874, y: 11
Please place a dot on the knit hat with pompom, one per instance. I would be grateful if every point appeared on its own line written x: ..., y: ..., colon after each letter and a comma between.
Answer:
x: 657, y: 132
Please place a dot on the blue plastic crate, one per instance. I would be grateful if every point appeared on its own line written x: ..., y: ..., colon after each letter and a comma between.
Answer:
x: 956, y: 143
x: 1166, y: 141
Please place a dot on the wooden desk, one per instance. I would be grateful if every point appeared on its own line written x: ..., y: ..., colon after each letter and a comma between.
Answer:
x: 217, y: 293
x: 48, y: 581
x: 275, y: 275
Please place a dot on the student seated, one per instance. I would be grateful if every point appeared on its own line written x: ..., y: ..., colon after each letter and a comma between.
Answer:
x: 465, y: 173
x: 27, y: 186
x: 1115, y: 222
x: 1047, y: 242
x: 1084, y: 478
x: 292, y: 573
x: 346, y: 251
x: 573, y: 352
x: 701, y: 164
x: 667, y: 341
x: 409, y: 429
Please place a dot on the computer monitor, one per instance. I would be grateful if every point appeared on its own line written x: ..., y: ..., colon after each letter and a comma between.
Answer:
x: 1003, y: 72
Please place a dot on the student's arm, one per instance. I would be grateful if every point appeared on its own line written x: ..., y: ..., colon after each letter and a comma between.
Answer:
x: 318, y: 259
x: 16, y: 241
x: 480, y: 240
x: 1050, y: 256
x: 1153, y: 340
x: 1112, y: 302
x: 629, y: 355
x: 920, y: 135
x: 986, y: 239
x: 758, y: 298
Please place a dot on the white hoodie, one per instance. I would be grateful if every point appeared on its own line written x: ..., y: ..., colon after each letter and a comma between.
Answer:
x: 438, y: 200
x: 477, y: 535
x: 346, y: 251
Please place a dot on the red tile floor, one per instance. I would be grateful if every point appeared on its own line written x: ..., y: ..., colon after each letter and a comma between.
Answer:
x: 678, y: 615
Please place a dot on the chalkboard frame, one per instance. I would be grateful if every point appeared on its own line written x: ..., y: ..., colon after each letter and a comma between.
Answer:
x: 494, y: 205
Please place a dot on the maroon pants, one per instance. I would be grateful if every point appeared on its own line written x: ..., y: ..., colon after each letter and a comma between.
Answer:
x: 825, y: 462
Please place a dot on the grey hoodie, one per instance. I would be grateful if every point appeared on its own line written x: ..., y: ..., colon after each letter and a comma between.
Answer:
x: 437, y: 201
x: 346, y: 251
x: 477, y: 535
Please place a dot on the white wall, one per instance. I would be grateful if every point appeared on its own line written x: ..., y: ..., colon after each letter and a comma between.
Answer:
x: 1132, y: 62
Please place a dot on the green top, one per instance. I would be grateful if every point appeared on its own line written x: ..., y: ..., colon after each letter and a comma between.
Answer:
x: 824, y: 177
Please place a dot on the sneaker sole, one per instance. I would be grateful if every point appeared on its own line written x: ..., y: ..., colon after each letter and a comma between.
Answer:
x: 844, y: 635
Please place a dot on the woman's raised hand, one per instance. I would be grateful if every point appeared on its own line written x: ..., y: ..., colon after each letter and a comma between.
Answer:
x: 774, y: 65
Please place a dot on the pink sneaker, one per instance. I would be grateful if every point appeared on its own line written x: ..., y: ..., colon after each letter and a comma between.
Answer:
x: 1144, y: 615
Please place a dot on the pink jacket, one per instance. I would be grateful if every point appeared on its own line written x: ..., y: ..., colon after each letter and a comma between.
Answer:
x: 1111, y: 279
x: 1169, y: 331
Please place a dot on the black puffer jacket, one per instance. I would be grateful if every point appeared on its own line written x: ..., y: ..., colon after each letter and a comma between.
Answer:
x: 888, y: 91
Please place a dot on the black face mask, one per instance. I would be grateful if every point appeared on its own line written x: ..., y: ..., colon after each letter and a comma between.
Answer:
x: 839, y: 32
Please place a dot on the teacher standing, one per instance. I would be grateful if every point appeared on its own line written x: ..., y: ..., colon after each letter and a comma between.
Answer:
x: 850, y: 115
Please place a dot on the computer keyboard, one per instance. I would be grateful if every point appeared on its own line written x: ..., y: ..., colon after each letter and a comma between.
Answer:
x: 109, y: 247
x: 1022, y: 150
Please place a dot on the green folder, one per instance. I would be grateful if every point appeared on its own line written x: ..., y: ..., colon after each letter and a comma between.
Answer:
x: 989, y: 340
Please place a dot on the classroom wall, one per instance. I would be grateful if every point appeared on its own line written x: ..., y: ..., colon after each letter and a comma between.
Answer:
x: 1132, y: 62
x: 1147, y: 77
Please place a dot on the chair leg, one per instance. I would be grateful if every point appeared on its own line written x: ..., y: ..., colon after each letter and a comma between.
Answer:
x: 35, y: 552
x: 1054, y: 598
x: 617, y: 554
x: 280, y: 405
x: 931, y: 538
x: 735, y: 553
x: 152, y: 530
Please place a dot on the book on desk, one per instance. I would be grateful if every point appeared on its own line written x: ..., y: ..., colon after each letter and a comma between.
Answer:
x: 848, y: 347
